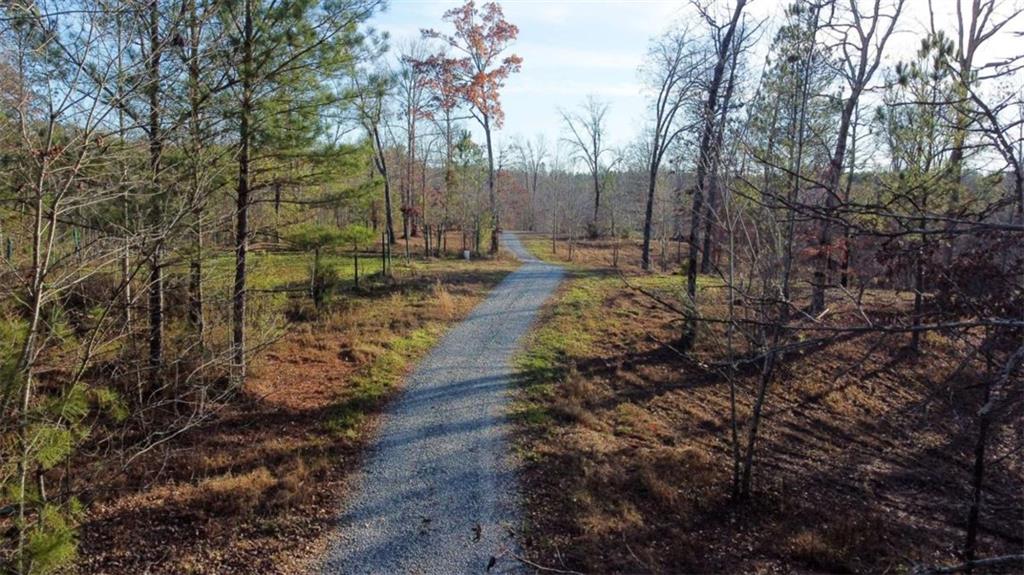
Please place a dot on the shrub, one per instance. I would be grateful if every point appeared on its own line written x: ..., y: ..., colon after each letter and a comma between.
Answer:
x: 327, y: 280
x: 300, y: 310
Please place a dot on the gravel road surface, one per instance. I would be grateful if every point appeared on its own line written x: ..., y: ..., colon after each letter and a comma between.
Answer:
x: 437, y: 493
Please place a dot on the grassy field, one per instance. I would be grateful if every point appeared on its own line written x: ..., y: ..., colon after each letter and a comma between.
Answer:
x: 282, y: 270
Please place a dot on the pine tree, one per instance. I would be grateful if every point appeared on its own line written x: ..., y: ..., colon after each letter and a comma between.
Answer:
x: 285, y: 55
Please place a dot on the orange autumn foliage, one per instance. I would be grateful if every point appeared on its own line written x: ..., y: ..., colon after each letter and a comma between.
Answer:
x: 474, y: 70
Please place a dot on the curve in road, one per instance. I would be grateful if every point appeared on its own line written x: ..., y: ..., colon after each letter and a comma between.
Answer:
x: 437, y: 493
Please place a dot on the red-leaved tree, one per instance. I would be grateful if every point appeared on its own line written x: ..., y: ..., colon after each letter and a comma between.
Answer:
x: 477, y: 70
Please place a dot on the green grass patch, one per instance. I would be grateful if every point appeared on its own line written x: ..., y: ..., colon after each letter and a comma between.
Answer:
x: 565, y: 335
x: 374, y: 383
x: 673, y: 282
x: 278, y: 270
x: 541, y: 249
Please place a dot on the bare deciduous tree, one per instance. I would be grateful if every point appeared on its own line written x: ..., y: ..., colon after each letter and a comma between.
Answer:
x: 862, y: 37
x: 710, y: 117
x: 586, y: 130
x: 530, y: 156
x: 674, y: 73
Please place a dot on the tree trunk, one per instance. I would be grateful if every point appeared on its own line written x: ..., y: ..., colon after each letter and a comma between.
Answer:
x: 1018, y: 192
x: 704, y: 161
x: 404, y: 192
x: 835, y: 170
x: 388, y: 217
x: 799, y: 109
x: 995, y: 393
x: 409, y: 221
x: 495, y: 220
x: 195, y: 287
x: 423, y: 192
x: 156, y: 283
x: 242, y: 202
x: 382, y: 169
x: 767, y: 370
x: 126, y: 275
x: 844, y: 269
x: 734, y: 435
x: 689, y: 335
x: 355, y: 264
x: 713, y: 192
x: 26, y: 358
x: 645, y: 257
x: 156, y: 307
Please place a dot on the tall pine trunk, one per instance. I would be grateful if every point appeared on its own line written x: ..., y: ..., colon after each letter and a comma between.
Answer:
x: 645, y: 257
x: 242, y: 201
x: 156, y: 282
x: 495, y: 221
x: 196, y: 317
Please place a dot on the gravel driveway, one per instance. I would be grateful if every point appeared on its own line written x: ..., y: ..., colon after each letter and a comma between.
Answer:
x: 437, y: 493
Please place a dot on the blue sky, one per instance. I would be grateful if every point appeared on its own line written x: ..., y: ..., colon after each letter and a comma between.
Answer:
x: 572, y: 48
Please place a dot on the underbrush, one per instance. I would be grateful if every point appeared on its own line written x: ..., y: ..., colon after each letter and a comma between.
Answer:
x: 260, y: 490
x: 862, y: 464
x: 256, y: 486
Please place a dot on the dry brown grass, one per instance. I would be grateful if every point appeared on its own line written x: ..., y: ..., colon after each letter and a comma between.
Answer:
x: 257, y: 488
x: 863, y: 460
x: 666, y: 471
x: 444, y: 304
x: 230, y: 495
x: 598, y: 253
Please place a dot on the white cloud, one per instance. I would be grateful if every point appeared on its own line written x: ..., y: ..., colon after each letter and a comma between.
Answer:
x: 552, y: 13
x: 578, y: 89
x: 563, y: 57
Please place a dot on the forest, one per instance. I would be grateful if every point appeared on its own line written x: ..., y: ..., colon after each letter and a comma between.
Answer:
x: 250, y: 249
